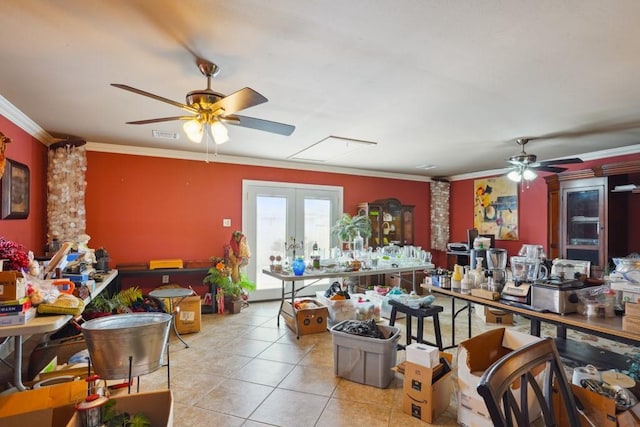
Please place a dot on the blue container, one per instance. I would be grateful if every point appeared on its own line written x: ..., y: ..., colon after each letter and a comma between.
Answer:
x: 298, y: 266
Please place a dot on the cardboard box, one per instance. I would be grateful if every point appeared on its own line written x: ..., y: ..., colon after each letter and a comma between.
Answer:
x: 427, y: 391
x: 475, y: 355
x: 632, y: 309
x: 500, y: 317
x: 46, y: 406
x: 600, y: 410
x: 631, y: 323
x: 12, y: 286
x: 189, y: 318
x: 422, y: 354
x: 309, y: 321
x: 157, y: 405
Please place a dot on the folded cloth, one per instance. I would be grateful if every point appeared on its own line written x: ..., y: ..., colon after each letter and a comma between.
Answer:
x: 64, y: 304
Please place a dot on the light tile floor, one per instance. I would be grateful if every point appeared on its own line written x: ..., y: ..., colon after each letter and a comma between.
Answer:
x: 243, y: 370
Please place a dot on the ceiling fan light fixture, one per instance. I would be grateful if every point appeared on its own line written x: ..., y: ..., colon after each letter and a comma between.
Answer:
x: 515, y: 176
x: 219, y: 132
x: 194, y: 130
x: 529, y: 175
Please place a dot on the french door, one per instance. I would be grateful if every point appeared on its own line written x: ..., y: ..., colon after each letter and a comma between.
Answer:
x: 275, y: 213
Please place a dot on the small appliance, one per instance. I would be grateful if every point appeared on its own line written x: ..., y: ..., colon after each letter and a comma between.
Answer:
x: 516, y: 291
x: 497, y: 269
x: 556, y: 295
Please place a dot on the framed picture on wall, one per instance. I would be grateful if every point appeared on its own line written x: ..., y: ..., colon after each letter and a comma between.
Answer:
x: 496, y: 207
x: 15, y: 190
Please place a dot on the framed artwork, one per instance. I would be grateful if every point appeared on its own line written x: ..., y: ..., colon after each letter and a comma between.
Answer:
x: 15, y: 190
x: 496, y: 207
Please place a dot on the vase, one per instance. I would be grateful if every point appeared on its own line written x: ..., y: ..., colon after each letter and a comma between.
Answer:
x: 298, y: 266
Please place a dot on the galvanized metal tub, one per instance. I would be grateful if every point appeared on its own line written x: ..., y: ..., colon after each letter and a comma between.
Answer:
x: 113, y: 340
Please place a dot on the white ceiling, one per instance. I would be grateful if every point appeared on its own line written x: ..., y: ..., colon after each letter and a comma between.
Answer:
x: 447, y: 83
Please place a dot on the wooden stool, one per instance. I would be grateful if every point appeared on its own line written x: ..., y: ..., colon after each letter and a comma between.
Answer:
x: 420, y: 314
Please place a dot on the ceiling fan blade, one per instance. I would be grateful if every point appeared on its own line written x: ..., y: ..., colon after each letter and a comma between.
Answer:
x: 561, y: 161
x: 244, y: 98
x: 549, y: 169
x: 161, y: 119
x: 592, y: 129
x: 156, y: 97
x: 259, y: 124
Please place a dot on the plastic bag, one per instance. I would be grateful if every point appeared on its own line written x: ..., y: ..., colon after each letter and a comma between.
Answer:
x: 41, y: 291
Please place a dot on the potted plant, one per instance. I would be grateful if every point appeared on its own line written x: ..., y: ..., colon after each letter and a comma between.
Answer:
x: 121, y: 302
x: 348, y: 227
x: 220, y: 276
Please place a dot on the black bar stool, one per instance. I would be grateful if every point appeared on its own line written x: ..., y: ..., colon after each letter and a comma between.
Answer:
x: 420, y: 314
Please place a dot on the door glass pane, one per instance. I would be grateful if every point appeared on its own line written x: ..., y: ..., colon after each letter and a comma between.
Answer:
x: 583, y: 212
x: 271, y: 226
x: 317, y: 229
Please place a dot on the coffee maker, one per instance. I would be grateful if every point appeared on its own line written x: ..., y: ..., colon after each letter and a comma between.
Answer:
x: 497, y: 269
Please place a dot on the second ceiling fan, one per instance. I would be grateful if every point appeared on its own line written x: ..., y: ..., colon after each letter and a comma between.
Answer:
x: 524, y: 165
x: 210, y: 110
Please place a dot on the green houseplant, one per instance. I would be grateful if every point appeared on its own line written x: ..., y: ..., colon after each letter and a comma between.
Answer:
x: 348, y: 227
x: 121, y: 302
x: 220, y: 276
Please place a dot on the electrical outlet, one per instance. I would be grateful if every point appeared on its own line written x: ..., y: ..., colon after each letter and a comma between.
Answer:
x: 226, y: 222
x: 165, y: 279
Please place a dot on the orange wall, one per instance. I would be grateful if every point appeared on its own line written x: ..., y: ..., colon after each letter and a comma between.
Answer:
x: 141, y: 208
x: 532, y: 209
x: 31, y: 232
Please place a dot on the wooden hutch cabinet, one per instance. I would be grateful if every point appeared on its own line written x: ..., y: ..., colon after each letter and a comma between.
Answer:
x: 589, y: 217
x: 391, y: 222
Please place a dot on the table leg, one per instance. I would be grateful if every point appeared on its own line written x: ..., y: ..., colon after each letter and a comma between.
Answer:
x: 17, y: 363
x: 408, y: 323
x: 174, y: 313
x: 535, y: 327
x: 469, y: 317
x: 414, y: 281
x: 281, y: 303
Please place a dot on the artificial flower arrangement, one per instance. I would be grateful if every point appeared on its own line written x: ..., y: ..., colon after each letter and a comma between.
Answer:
x: 14, y: 255
x: 225, y: 272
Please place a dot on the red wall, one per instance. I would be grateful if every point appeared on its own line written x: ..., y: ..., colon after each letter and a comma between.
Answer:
x: 32, y: 231
x: 141, y: 208
x: 532, y: 209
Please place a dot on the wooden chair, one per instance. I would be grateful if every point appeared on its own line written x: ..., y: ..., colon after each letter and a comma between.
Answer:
x: 521, y: 367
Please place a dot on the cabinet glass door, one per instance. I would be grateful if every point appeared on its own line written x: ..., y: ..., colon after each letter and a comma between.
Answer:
x: 392, y: 221
x: 583, y: 224
x: 376, y: 226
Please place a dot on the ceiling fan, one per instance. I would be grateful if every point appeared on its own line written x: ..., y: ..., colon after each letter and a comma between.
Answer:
x: 210, y: 109
x: 524, y: 165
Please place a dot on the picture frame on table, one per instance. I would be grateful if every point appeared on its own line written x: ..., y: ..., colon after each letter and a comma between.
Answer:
x: 15, y: 185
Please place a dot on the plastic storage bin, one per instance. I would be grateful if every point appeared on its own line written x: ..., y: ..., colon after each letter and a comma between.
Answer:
x: 365, y: 360
x: 339, y: 310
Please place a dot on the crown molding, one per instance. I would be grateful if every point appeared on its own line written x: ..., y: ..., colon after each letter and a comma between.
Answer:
x: 18, y: 118
x: 248, y: 161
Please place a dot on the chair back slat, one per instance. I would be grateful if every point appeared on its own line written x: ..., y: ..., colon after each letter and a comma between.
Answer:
x: 530, y: 373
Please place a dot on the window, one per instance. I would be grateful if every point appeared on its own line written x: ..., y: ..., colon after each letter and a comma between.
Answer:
x: 272, y: 213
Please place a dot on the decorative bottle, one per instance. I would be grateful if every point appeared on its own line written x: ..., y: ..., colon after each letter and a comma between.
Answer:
x: 467, y: 282
x: 358, y: 244
x: 456, y: 278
